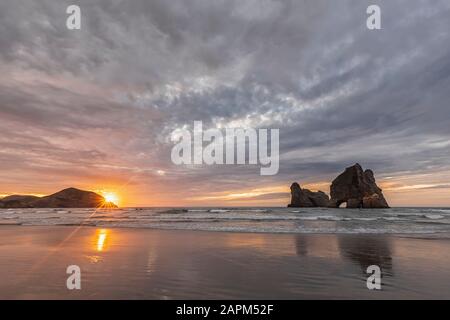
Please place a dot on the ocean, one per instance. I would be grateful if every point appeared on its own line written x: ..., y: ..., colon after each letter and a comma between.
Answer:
x: 433, y: 221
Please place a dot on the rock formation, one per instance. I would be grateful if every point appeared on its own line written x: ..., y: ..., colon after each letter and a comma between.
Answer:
x: 67, y: 198
x: 354, y: 186
x: 357, y: 188
x: 307, y: 198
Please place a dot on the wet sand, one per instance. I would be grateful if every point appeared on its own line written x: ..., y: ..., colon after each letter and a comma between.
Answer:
x: 170, y: 264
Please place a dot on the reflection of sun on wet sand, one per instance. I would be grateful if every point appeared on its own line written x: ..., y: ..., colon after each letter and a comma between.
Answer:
x: 102, y: 235
x: 143, y: 263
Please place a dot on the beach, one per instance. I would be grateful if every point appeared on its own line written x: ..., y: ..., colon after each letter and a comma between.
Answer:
x: 139, y: 263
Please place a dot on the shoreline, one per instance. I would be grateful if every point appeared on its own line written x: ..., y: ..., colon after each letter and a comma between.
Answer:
x: 422, y: 223
x: 400, y: 235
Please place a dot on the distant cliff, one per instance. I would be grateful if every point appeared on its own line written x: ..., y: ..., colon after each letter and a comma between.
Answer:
x: 355, y: 187
x: 67, y: 198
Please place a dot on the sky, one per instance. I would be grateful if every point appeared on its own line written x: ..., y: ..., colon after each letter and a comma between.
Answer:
x: 95, y: 108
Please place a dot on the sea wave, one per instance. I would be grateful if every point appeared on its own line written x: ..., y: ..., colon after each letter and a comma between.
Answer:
x: 434, y: 216
x: 272, y: 220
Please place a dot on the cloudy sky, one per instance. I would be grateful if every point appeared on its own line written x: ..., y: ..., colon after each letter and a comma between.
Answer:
x: 94, y: 108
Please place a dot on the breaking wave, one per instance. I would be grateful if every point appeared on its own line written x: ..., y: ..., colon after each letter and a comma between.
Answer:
x: 271, y: 220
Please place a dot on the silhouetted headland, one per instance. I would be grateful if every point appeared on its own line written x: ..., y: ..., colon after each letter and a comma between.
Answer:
x: 67, y: 198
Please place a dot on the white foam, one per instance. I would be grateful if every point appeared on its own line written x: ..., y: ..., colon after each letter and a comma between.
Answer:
x: 433, y: 216
x: 392, y: 219
x: 443, y: 210
x: 330, y: 218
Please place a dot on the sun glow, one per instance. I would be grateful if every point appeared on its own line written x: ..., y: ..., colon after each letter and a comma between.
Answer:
x: 111, y: 198
x: 102, y: 235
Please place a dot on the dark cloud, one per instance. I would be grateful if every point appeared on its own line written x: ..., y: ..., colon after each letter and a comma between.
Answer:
x: 112, y: 92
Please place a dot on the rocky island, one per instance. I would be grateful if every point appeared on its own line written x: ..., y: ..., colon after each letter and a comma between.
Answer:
x: 307, y: 198
x: 67, y: 198
x: 355, y: 187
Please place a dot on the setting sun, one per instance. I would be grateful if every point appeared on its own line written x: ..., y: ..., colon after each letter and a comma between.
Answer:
x: 111, y: 197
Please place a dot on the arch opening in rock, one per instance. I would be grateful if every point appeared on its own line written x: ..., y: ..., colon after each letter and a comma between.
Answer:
x: 342, y: 204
